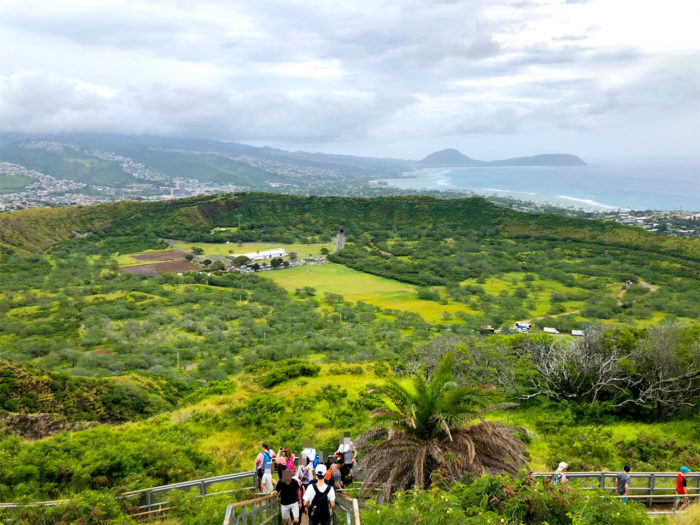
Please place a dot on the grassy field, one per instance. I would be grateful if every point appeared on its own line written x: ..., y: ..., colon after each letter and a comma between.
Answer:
x: 540, y: 291
x: 359, y: 286
x: 302, y: 250
x: 13, y: 183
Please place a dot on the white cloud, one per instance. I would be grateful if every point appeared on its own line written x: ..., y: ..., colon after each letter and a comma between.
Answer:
x: 340, y: 73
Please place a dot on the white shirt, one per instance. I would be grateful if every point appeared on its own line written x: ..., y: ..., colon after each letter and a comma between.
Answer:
x: 346, y: 448
x: 310, y: 493
x: 310, y: 454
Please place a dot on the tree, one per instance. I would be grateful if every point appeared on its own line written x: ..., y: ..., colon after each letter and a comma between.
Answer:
x: 196, y: 250
x: 293, y: 256
x: 276, y: 262
x: 218, y: 265
x: 430, y: 430
x: 241, y: 260
x: 324, y: 251
x: 206, y: 262
x: 189, y: 257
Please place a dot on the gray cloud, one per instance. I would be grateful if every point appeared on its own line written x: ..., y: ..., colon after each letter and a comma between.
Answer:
x: 32, y: 102
x: 285, y: 71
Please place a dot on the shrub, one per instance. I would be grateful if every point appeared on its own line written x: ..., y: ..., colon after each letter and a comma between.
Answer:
x: 288, y: 370
x: 504, y: 500
x: 584, y: 448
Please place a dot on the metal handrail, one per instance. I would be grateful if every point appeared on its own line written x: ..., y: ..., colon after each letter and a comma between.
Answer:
x: 146, y: 495
x: 266, y: 509
x: 34, y: 504
x: 351, y: 508
x: 652, y: 492
x: 263, y: 510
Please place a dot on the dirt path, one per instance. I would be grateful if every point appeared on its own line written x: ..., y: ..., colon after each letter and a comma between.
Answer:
x: 651, y: 287
x: 529, y: 321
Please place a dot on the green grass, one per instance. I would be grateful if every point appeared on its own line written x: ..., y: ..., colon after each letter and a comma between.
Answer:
x: 358, y: 286
x: 302, y: 250
x: 13, y: 183
x: 680, y: 431
x: 233, y: 448
x: 539, y: 290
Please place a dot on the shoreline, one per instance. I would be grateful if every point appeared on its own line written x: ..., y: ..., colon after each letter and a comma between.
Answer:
x: 448, y: 179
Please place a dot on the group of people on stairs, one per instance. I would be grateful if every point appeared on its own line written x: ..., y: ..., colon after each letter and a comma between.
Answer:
x: 309, y: 487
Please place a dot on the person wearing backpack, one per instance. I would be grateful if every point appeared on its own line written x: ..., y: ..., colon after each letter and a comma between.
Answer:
x: 263, y: 466
x: 319, y: 499
x: 333, y: 476
x: 290, y: 465
x: 310, y: 452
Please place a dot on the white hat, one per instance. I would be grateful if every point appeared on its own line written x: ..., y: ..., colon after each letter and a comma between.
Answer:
x: 320, y: 470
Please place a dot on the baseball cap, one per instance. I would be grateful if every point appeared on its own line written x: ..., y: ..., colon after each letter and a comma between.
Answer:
x: 685, y: 469
x: 320, y: 470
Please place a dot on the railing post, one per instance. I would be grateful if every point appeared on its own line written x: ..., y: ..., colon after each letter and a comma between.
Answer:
x: 203, y: 488
x: 149, y: 499
x: 651, y: 488
x: 601, y: 483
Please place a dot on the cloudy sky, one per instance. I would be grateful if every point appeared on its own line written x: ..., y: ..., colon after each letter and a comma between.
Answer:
x: 598, y: 78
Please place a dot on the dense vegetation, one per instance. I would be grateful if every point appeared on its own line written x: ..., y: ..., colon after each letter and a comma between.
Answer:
x: 205, y: 365
x: 498, y: 499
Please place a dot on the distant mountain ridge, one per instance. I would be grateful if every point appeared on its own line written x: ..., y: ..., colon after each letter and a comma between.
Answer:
x: 86, y: 169
x: 452, y: 158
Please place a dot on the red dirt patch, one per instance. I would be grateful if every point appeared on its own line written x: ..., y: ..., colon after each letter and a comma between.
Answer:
x: 155, y: 269
x: 172, y: 255
x: 100, y: 351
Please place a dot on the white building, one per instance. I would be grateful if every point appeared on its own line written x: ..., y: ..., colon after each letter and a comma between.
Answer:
x: 262, y: 255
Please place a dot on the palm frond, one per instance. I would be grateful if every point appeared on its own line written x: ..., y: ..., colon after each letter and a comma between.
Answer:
x: 427, y: 421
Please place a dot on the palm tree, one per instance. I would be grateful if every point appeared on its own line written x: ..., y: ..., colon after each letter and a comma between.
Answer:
x: 431, y: 428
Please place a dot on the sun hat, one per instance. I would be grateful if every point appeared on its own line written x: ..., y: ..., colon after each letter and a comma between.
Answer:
x: 685, y: 469
x: 320, y: 470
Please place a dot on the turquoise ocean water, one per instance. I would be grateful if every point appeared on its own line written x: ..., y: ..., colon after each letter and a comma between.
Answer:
x: 660, y: 185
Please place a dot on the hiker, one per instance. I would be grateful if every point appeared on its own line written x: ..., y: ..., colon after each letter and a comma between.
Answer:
x: 333, y: 476
x: 560, y: 473
x: 290, y: 465
x: 347, y: 449
x: 290, y: 499
x: 682, y: 489
x: 263, y: 464
x: 319, y: 499
x: 623, y: 483
x: 280, y: 463
x: 310, y: 452
x: 305, y: 475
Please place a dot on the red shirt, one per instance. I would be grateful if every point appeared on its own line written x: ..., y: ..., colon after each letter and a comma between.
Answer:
x: 680, y: 486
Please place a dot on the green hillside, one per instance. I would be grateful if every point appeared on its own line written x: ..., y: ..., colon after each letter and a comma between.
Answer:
x: 13, y: 183
x: 69, y: 164
x: 203, y: 167
x: 181, y: 375
x: 276, y: 216
x: 26, y: 231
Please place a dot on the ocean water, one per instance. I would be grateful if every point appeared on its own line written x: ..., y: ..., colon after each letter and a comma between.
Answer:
x: 660, y: 185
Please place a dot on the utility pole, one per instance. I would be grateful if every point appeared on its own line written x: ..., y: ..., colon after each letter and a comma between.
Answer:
x: 178, y: 360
